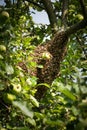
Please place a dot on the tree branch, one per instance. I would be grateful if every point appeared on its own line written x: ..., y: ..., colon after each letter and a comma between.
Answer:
x: 84, y: 10
x: 36, y: 4
x: 52, y: 17
x: 74, y: 28
x: 80, y: 25
x: 64, y: 13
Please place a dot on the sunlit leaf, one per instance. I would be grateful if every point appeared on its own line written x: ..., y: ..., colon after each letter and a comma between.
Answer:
x: 39, y: 115
x: 68, y: 94
x: 9, y: 69
x: 53, y: 123
x: 34, y: 101
x: 31, y: 81
x: 1, y: 57
x: 31, y: 121
x: 44, y: 84
x: 23, y: 107
x: 40, y: 66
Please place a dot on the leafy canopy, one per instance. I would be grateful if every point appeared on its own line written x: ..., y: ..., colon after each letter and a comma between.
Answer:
x: 64, y: 104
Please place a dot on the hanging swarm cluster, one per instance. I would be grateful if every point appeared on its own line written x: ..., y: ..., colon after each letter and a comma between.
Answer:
x: 55, y: 51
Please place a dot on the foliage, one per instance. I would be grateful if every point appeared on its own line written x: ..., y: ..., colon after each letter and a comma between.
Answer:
x: 64, y: 104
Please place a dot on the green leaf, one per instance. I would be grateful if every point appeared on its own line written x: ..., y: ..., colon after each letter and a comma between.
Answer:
x: 64, y: 90
x: 1, y: 57
x: 31, y: 121
x: 9, y: 69
x: 75, y: 110
x: 39, y: 115
x: 53, y: 123
x: 34, y: 101
x: 44, y: 84
x: 2, y: 86
x: 40, y: 66
x: 31, y: 81
x: 20, y: 128
x: 68, y: 94
x: 23, y: 107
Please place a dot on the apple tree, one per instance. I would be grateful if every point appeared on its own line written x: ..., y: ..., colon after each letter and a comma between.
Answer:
x: 43, y: 67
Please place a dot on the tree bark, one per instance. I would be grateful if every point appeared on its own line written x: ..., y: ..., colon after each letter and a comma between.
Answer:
x: 52, y: 17
x: 84, y: 9
x: 76, y: 27
x: 64, y: 13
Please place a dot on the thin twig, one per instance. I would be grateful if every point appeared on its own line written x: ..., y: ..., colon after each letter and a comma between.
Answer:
x: 76, y: 27
x: 7, y: 107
